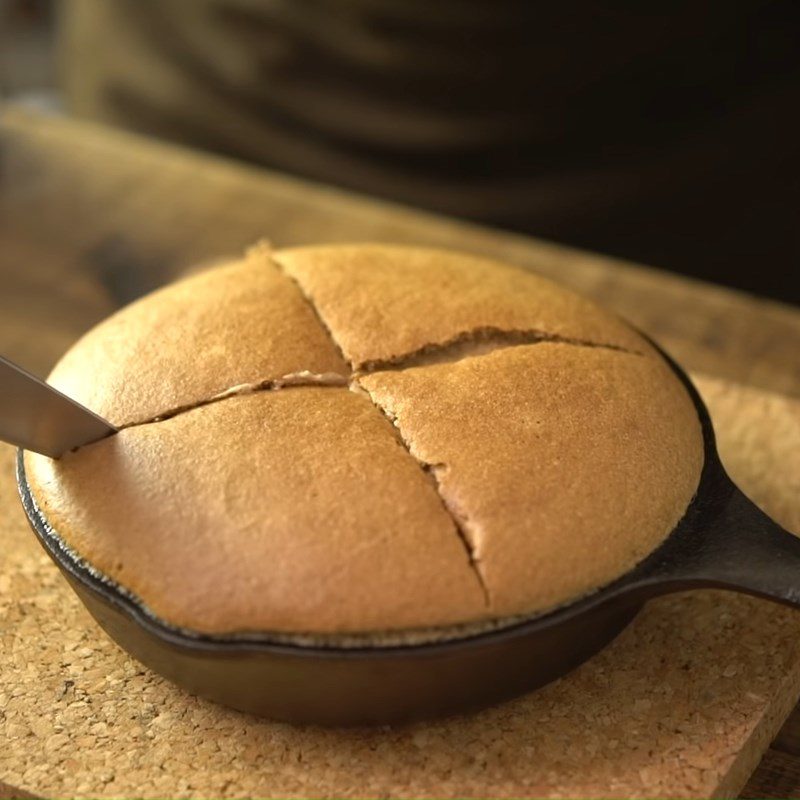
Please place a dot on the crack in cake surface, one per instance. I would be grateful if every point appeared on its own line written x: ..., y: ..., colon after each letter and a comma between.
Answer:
x: 477, y: 342
x: 461, y: 529
x: 312, y: 305
x: 430, y: 472
x: 293, y: 380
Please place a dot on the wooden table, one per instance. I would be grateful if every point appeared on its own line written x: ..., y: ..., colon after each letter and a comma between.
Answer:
x: 90, y: 219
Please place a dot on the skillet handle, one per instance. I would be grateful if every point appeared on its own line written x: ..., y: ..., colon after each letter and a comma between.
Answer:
x: 727, y: 543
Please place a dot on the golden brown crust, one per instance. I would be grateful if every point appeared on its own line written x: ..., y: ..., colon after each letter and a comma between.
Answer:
x: 242, y: 323
x: 567, y: 465
x: 381, y: 302
x: 292, y: 510
x: 299, y: 510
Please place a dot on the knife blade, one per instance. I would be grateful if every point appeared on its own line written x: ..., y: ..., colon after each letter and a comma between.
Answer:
x: 35, y: 416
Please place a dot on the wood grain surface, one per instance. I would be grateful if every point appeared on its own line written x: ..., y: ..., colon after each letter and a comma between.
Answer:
x: 90, y: 219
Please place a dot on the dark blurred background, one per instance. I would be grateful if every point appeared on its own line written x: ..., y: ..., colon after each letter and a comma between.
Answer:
x: 666, y: 133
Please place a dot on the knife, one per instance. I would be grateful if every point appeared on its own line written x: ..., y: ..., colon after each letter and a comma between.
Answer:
x: 35, y: 416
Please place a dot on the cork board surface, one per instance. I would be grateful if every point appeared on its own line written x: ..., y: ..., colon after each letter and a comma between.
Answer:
x: 682, y: 704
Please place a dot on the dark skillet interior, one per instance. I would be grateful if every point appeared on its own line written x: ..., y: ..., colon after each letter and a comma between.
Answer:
x: 723, y: 540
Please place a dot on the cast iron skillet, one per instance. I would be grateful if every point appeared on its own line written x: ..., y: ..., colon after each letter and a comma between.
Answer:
x: 723, y: 541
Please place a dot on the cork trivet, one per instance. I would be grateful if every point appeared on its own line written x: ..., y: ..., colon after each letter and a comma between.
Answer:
x: 682, y: 704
